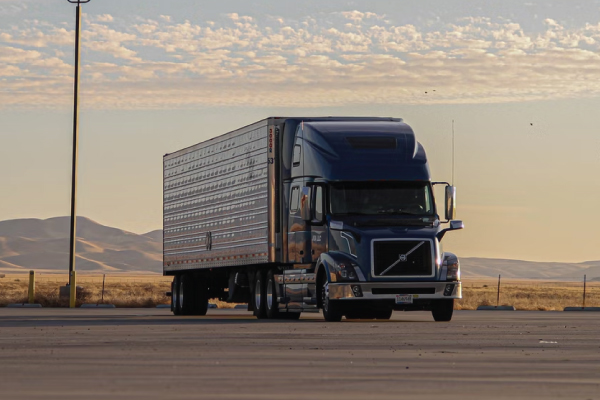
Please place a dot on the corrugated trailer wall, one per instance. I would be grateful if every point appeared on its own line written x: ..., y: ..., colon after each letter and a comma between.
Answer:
x: 215, y: 202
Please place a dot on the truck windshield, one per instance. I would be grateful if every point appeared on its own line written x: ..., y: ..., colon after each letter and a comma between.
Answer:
x: 381, y: 198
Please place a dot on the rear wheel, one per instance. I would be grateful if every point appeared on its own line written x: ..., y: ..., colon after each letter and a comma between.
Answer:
x: 173, y: 296
x: 271, y: 303
x: 442, y: 310
x: 194, y: 295
x: 258, y: 295
x: 177, y: 295
x: 332, y: 310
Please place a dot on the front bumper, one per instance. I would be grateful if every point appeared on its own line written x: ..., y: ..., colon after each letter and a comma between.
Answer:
x: 389, y: 290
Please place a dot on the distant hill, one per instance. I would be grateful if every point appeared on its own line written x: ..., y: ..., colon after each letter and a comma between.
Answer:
x: 43, y: 245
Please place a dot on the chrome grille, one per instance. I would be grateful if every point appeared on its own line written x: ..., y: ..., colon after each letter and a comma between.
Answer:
x: 402, y: 258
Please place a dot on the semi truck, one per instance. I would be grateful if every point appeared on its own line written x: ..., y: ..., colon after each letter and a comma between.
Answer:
x: 293, y: 215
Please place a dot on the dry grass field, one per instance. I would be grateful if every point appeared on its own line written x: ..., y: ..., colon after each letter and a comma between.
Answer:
x: 528, y: 294
x: 149, y: 291
x: 122, y: 291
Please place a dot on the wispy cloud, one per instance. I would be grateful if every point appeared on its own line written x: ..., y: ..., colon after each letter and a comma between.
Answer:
x: 331, y: 59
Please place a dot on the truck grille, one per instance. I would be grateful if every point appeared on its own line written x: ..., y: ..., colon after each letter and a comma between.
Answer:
x: 402, y: 258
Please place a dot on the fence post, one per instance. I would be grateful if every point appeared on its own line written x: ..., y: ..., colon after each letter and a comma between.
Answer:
x: 31, y: 287
x: 103, y: 280
x: 498, y: 297
x: 584, y: 284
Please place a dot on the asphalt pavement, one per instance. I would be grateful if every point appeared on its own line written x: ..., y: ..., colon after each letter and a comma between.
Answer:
x: 151, y: 354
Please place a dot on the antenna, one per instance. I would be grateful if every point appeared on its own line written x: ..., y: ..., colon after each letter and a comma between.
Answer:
x: 452, y: 153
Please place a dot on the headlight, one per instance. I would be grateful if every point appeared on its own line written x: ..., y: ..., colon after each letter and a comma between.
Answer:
x: 453, y: 271
x: 343, y: 271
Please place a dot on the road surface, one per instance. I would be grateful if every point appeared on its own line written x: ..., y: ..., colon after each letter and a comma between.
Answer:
x: 150, y: 354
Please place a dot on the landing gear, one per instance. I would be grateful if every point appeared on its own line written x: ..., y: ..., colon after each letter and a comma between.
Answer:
x: 442, y: 310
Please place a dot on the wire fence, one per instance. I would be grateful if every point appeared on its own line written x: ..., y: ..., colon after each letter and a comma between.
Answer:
x: 140, y: 290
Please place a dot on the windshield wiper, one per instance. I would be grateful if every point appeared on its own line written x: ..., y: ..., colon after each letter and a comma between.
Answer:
x: 393, y: 212
x: 352, y: 213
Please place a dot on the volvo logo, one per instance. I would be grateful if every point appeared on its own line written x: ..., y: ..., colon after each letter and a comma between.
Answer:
x: 402, y: 257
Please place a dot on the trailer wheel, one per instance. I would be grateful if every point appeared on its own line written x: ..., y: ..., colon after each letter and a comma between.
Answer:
x: 176, y: 299
x: 173, y: 297
x: 442, y: 310
x: 194, y: 294
x: 258, y: 295
x: 332, y: 310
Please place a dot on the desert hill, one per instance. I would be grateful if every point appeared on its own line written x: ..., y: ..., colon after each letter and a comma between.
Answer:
x: 43, y: 245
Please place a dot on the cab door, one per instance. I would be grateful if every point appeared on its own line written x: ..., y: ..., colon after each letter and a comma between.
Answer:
x: 295, y: 223
x: 318, y: 226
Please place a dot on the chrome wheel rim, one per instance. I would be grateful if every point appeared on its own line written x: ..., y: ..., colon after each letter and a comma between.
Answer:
x: 325, y: 294
x: 257, y: 294
x: 269, y: 295
x: 180, y: 294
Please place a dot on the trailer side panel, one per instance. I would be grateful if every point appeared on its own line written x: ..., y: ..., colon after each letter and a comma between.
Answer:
x: 215, y: 202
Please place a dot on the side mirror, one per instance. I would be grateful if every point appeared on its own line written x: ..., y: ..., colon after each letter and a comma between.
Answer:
x: 450, y: 211
x: 454, y: 225
x: 305, y: 210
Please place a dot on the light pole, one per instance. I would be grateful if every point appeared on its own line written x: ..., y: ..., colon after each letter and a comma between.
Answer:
x: 72, y: 280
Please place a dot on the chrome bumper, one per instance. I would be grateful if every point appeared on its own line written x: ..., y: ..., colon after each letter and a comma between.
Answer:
x: 441, y: 290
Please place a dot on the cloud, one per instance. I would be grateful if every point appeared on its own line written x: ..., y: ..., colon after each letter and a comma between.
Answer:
x: 105, y: 18
x: 329, y: 59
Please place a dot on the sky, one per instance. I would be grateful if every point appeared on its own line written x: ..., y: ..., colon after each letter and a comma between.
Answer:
x: 520, y: 80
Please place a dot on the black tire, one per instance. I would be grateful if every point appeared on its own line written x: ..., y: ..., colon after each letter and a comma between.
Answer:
x: 195, y: 295
x: 258, y: 295
x: 332, y: 309
x: 177, y: 295
x: 173, y: 296
x: 270, y: 299
x: 442, y: 310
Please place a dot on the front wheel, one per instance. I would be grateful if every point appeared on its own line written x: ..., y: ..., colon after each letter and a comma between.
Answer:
x: 332, y: 310
x: 442, y: 310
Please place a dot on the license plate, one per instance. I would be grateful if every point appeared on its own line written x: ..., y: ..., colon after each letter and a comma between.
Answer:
x: 404, y: 299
